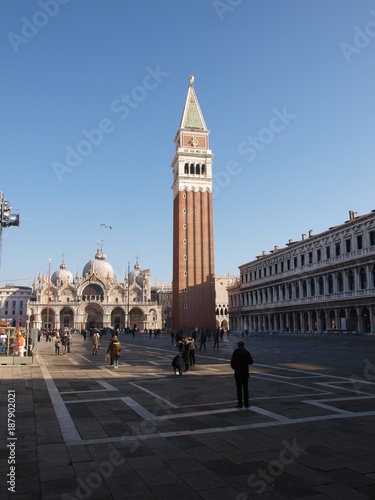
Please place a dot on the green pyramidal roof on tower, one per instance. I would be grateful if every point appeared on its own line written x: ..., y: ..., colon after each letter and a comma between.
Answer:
x: 192, y: 116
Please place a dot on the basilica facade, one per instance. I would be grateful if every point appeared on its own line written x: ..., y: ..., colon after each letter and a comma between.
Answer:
x: 96, y: 299
x: 322, y: 283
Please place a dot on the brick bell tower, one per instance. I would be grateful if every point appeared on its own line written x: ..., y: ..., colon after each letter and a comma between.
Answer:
x: 193, y: 239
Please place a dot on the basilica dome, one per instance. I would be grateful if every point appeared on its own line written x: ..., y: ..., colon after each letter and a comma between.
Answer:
x: 62, y: 275
x: 99, y: 267
x: 133, y: 275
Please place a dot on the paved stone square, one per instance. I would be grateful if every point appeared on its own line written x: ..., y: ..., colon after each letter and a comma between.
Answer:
x: 85, y: 430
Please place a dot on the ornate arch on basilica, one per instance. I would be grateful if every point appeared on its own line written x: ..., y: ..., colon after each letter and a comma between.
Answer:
x: 137, y: 318
x: 48, y: 318
x: 92, y: 315
x: 118, y: 318
x: 66, y: 317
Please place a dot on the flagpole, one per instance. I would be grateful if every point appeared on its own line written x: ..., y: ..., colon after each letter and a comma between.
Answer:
x: 49, y: 275
x: 128, y: 297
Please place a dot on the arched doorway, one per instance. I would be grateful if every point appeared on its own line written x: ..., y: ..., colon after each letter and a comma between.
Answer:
x: 48, y: 320
x: 305, y: 322
x: 118, y: 318
x: 93, y: 316
x: 366, y: 324
x: 353, y: 320
x: 66, y: 318
x: 314, y: 321
x: 332, y: 320
x: 323, y: 323
x: 136, y: 319
x: 342, y: 319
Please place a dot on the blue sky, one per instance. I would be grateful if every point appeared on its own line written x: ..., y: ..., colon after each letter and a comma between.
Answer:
x: 286, y: 89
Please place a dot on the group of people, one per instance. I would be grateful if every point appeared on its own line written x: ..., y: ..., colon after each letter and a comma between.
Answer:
x: 186, y: 355
x: 113, y: 350
x: 63, y: 341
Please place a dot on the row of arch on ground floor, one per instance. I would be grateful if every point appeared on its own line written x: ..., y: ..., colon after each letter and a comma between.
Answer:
x: 92, y: 316
x: 354, y: 319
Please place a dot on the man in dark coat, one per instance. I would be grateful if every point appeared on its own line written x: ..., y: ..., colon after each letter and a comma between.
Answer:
x: 178, y: 364
x: 240, y: 361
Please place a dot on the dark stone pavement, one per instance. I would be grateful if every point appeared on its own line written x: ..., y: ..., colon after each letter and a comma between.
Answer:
x: 85, y: 430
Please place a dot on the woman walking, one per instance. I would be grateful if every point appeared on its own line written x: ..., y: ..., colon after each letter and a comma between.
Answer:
x: 114, y: 350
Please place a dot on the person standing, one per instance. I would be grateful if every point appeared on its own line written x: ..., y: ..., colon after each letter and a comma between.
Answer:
x: 192, y: 352
x: 216, y: 339
x: 240, y: 361
x: 64, y: 341
x: 57, y: 344
x: 95, y: 343
x: 203, y: 341
x: 114, y: 350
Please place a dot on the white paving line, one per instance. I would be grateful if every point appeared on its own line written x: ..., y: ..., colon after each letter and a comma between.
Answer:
x: 327, y: 407
x: 107, y: 386
x: 153, y: 394
x: 198, y: 413
x: 87, y: 390
x: 73, y: 361
x: 285, y: 382
x: 271, y: 414
x: 142, y: 412
x: 332, y: 385
x: 65, y: 421
x: 80, y: 355
x: 96, y: 400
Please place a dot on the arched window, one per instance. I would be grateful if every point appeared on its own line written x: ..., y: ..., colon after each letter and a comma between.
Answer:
x: 198, y: 169
x: 321, y: 286
x: 330, y: 283
x: 340, y: 282
x: 186, y: 168
x: 304, y: 288
x: 203, y: 169
x: 192, y: 168
x: 312, y: 287
x: 351, y: 280
x: 363, y: 278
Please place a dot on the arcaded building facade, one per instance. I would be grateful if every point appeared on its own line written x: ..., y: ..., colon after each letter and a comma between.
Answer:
x: 94, y: 299
x: 193, y: 241
x: 322, y: 283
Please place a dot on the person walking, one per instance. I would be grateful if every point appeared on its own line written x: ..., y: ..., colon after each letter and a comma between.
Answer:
x: 192, y: 352
x: 240, y: 361
x: 114, y: 350
x: 216, y: 339
x: 57, y: 344
x: 95, y: 343
x: 64, y: 341
x: 203, y: 341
